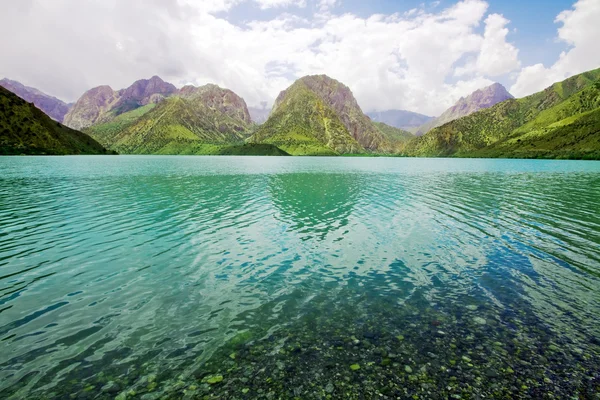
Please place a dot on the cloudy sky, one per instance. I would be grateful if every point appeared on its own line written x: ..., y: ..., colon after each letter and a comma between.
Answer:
x: 393, y: 54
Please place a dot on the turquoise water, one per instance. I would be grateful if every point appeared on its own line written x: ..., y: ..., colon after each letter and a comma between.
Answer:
x: 155, y: 277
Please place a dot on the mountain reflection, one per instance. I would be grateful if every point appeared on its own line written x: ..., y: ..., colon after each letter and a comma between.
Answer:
x: 315, y: 205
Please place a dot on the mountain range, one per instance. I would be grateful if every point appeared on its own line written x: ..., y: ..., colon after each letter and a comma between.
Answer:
x: 406, y: 120
x: 318, y: 115
x: 25, y: 129
x: 478, y: 100
x: 53, y: 107
x: 562, y: 121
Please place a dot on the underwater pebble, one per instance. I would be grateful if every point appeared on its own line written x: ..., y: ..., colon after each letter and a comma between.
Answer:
x: 479, y: 321
x: 329, y: 388
x: 214, y: 379
x: 408, y: 369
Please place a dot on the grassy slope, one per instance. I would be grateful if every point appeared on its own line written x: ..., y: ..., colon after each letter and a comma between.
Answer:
x: 304, y: 125
x: 174, y: 126
x: 398, y: 138
x: 468, y: 136
x: 24, y: 129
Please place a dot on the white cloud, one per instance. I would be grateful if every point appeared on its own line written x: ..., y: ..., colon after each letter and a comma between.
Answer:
x: 581, y: 30
x: 265, y: 4
x: 403, y: 61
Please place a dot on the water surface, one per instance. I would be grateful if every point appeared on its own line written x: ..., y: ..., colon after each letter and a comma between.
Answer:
x: 438, y: 278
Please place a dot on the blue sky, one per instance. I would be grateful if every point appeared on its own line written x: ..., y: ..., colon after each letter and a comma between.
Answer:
x: 533, y: 29
x: 417, y: 56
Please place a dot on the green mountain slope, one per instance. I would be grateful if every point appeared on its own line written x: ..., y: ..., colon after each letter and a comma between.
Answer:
x: 532, y: 116
x: 24, y: 129
x: 174, y: 126
x: 397, y: 138
x: 302, y: 124
x: 318, y: 115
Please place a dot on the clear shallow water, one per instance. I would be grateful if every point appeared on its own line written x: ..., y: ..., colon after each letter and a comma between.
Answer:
x: 153, y: 275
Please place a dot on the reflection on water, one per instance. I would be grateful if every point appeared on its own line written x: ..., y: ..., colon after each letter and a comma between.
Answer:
x: 157, y: 276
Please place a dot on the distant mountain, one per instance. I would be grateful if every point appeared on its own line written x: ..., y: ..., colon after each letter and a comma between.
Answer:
x: 259, y: 115
x: 406, y: 120
x: 563, y: 121
x: 25, y: 129
x: 204, y: 120
x: 53, y: 107
x: 478, y: 100
x: 318, y: 115
x: 101, y: 104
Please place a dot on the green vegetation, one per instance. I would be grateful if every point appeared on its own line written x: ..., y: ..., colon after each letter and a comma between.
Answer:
x: 24, y: 129
x: 303, y: 124
x: 174, y: 126
x: 398, y: 138
x: 559, y: 122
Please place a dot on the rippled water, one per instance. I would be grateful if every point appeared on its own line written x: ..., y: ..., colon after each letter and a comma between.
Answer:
x: 150, y: 275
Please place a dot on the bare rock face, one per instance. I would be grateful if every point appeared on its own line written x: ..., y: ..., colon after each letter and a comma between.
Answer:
x: 219, y: 99
x: 102, y: 103
x: 340, y: 98
x: 143, y: 92
x: 51, y: 106
x: 92, y: 107
x: 478, y: 100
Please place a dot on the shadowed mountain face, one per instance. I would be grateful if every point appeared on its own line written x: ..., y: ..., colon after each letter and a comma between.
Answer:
x: 318, y: 115
x: 102, y: 104
x: 560, y: 122
x: 478, y: 100
x: 53, y: 107
x: 25, y: 129
x: 406, y: 120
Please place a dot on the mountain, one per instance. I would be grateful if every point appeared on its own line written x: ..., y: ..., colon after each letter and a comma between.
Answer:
x: 398, y: 138
x: 318, y: 115
x: 562, y: 121
x: 25, y: 129
x: 259, y: 115
x: 101, y: 104
x: 204, y: 120
x: 222, y: 100
x: 53, y: 107
x: 406, y: 120
x: 478, y: 100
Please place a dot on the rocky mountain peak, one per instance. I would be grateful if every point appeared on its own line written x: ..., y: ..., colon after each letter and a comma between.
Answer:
x: 478, y: 100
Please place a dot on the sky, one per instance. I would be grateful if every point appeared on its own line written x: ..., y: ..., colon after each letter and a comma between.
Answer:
x: 393, y: 54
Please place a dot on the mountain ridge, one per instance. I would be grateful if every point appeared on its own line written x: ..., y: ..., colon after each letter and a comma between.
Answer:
x: 25, y: 129
x: 566, y: 108
x: 52, y: 106
x: 401, y: 119
x: 480, y: 99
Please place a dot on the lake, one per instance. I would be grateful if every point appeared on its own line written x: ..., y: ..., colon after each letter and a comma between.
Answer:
x: 232, y: 277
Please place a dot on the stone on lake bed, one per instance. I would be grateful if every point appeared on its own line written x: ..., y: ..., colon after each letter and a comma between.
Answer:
x: 466, y: 359
x: 408, y: 369
x: 479, y: 321
x: 211, y: 380
x: 472, y: 307
x: 355, y: 367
